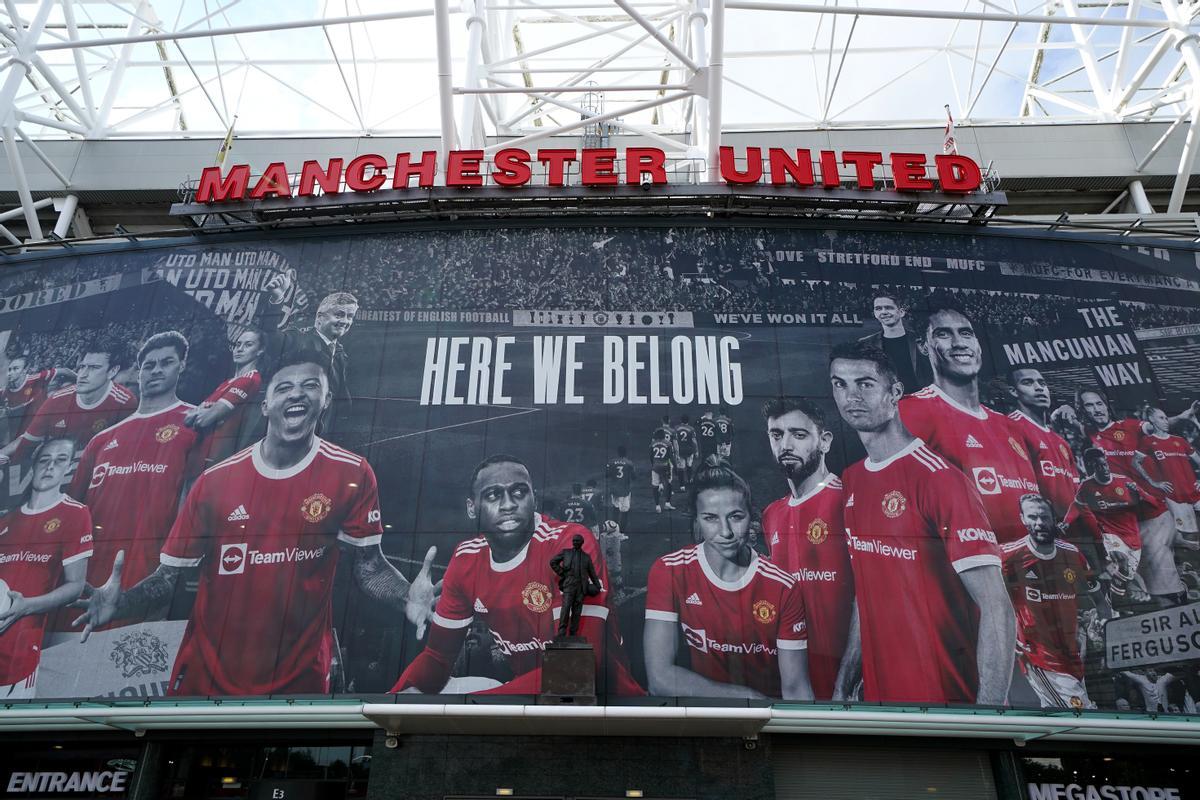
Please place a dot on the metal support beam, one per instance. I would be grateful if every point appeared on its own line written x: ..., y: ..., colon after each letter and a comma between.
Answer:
x: 18, y: 172
x: 66, y: 215
x: 649, y: 27
x: 445, y: 77
x: 1186, y: 43
x: 476, y: 30
x: 716, y: 86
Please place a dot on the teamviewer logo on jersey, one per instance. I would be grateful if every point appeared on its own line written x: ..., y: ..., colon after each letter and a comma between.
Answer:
x: 697, y: 638
x: 986, y: 481
x: 233, y: 559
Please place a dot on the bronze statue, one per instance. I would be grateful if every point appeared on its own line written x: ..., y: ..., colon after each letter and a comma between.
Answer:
x: 576, y: 579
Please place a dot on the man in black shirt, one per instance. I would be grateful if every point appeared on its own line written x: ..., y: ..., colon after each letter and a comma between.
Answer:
x: 898, y: 342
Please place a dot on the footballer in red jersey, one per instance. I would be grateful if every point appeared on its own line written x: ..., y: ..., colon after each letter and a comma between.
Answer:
x: 221, y: 414
x: 1121, y: 443
x: 132, y: 475
x: 1045, y: 576
x: 79, y: 411
x: 932, y: 619
x: 264, y: 527
x: 740, y: 616
x: 805, y: 532
x: 503, y: 578
x: 24, y: 391
x: 1112, y: 501
x: 1172, y: 462
x: 44, y: 549
x: 1057, y: 476
x: 949, y: 418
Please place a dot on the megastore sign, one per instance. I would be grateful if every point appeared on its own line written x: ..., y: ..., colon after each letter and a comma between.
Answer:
x: 513, y: 167
x: 838, y: 463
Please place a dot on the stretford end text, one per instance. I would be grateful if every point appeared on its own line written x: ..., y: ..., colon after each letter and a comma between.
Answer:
x: 513, y: 167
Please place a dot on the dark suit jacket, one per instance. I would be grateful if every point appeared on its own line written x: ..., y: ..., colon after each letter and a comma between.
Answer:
x: 574, y: 569
x: 917, y: 362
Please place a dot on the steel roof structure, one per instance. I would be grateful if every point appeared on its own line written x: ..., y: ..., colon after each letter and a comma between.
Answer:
x: 483, y: 74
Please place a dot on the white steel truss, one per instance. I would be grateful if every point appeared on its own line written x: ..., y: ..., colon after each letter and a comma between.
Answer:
x: 483, y: 74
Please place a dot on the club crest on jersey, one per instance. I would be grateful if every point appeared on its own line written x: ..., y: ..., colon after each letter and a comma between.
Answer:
x: 764, y: 611
x: 536, y: 597
x: 1119, y: 491
x: 1076, y: 701
x: 894, y: 504
x: 818, y: 531
x: 28, y: 391
x: 1118, y: 436
x: 52, y: 525
x: 1016, y: 446
x: 98, y: 426
x: 316, y: 507
x: 1069, y: 575
x: 1066, y: 454
x: 166, y: 433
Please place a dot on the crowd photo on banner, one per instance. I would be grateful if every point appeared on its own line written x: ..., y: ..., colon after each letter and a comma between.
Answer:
x: 807, y: 464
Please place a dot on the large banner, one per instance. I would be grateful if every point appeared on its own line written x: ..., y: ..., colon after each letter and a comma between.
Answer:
x: 804, y: 464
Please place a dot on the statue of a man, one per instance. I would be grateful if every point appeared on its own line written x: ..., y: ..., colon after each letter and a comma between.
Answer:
x: 576, y: 579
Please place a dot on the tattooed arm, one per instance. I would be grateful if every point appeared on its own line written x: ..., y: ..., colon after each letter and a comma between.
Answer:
x: 106, y: 603
x: 383, y: 583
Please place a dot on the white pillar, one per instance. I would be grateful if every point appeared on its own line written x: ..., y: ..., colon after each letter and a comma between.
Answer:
x: 441, y: 17
x: 716, y: 78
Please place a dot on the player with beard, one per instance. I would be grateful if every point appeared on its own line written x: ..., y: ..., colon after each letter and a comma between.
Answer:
x: 1057, y: 476
x: 82, y: 410
x: 1044, y: 576
x: 949, y: 418
x: 221, y: 415
x: 1172, y: 462
x: 44, y: 549
x: 1121, y: 443
x: 932, y: 621
x: 502, y: 577
x: 805, y: 532
x: 264, y: 527
x: 741, y: 617
x: 25, y: 391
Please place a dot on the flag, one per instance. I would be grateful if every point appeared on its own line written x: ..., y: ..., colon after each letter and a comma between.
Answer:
x: 949, y: 146
x: 226, y: 144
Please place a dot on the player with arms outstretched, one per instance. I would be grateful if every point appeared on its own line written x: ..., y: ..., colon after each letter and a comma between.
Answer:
x: 44, y: 549
x: 1172, y: 463
x: 741, y: 618
x: 806, y: 535
x: 264, y: 527
x: 1045, y: 575
x: 916, y: 529
x: 948, y: 416
x: 502, y: 577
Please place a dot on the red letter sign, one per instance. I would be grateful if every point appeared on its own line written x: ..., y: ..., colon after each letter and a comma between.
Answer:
x: 512, y: 167
x: 356, y: 180
x: 214, y: 189
x: 729, y: 170
x: 958, y: 174
x: 555, y: 161
x: 641, y: 161
x: 423, y: 169
x: 462, y: 168
x: 908, y: 173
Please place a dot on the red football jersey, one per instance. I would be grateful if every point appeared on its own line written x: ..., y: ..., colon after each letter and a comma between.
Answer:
x: 131, y: 476
x: 1114, y: 508
x: 236, y: 393
x: 23, y: 403
x: 1170, y: 459
x: 1057, y: 476
x: 266, y: 542
x: 808, y: 540
x: 1044, y: 593
x: 520, y: 602
x: 733, y: 630
x: 985, y: 445
x: 913, y: 523
x: 34, y: 546
x: 1119, y: 441
x: 62, y: 415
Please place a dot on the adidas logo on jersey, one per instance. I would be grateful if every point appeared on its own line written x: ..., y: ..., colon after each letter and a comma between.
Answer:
x: 480, y: 608
x: 850, y: 501
x: 973, y: 442
x: 238, y: 515
x: 693, y: 600
x: 1031, y: 574
x: 110, y: 445
x: 62, y: 423
x: 775, y: 538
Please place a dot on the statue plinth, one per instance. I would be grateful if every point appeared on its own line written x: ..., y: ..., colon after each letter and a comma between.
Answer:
x: 568, y: 673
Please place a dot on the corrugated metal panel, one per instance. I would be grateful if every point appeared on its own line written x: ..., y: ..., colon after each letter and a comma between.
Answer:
x: 804, y: 772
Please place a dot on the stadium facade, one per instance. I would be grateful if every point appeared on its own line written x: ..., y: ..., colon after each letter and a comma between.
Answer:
x: 882, y: 441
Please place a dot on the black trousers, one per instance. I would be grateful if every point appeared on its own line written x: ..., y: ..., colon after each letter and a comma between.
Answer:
x: 572, y: 609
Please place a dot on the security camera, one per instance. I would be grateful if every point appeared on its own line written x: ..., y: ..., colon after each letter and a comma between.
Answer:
x: 645, y: 181
x: 391, y: 743
x: 750, y: 742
